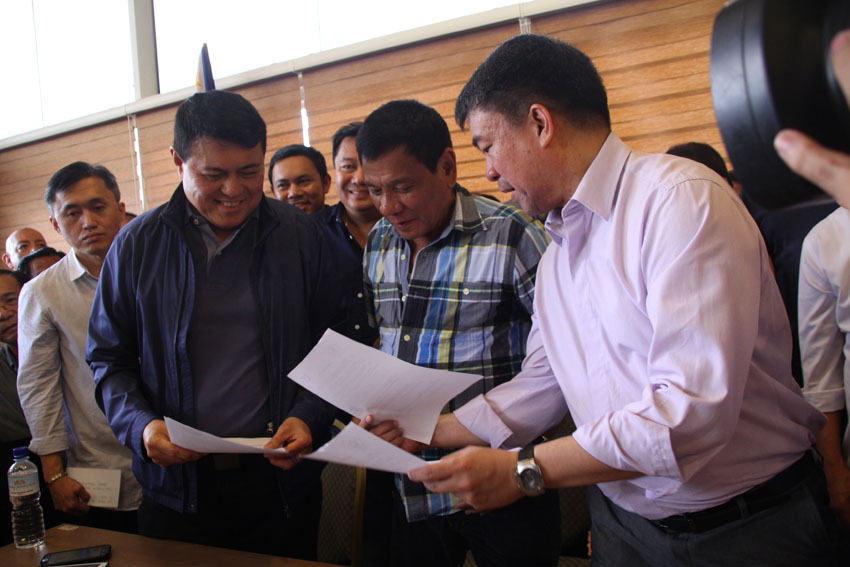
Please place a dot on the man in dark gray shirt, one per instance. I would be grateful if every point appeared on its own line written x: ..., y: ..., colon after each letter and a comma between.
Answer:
x: 204, y: 306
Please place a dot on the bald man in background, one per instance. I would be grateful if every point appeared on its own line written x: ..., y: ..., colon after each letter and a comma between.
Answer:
x: 20, y: 243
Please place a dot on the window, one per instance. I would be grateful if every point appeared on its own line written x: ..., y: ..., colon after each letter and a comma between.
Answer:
x: 250, y: 34
x: 62, y: 60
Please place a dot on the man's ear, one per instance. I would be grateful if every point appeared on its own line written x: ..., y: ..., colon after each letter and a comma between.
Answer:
x: 543, y: 123
x: 8, y: 260
x: 178, y: 161
x: 56, y: 226
x: 447, y: 166
x: 326, y: 183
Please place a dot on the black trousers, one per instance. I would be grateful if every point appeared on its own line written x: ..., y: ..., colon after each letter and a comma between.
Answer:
x: 241, y: 508
x: 526, y: 533
x: 798, y: 532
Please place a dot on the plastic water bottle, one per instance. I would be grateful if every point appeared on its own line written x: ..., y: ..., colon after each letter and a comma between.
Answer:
x: 24, y: 492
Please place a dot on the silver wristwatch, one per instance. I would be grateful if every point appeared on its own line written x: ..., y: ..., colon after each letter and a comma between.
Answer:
x: 529, y: 479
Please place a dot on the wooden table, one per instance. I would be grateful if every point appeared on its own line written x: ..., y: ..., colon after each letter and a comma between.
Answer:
x: 130, y: 550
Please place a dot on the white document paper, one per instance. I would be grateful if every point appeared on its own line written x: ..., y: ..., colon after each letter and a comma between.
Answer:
x: 103, y: 485
x: 203, y: 442
x: 362, y: 380
x: 357, y: 447
x: 352, y: 446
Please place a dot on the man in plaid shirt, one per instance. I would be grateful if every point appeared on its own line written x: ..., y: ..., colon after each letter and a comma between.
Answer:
x: 449, y: 278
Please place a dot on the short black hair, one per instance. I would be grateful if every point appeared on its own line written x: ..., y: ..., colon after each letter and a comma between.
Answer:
x: 19, y: 276
x: 293, y: 150
x: 74, y: 173
x: 703, y: 153
x: 347, y: 131
x: 24, y: 265
x: 407, y: 123
x: 222, y: 115
x: 528, y: 69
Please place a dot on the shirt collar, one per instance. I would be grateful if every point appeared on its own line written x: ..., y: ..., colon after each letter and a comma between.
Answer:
x: 597, y: 189
x: 466, y: 216
x: 76, y: 270
x: 600, y: 184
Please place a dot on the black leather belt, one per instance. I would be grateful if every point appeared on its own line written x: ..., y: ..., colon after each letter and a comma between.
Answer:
x: 757, y: 499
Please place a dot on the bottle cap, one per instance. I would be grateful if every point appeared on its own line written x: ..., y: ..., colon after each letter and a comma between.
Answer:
x: 20, y: 453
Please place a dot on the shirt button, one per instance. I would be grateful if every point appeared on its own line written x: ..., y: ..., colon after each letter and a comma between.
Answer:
x: 404, y: 257
x: 356, y: 327
x: 359, y: 294
x: 466, y: 291
x: 196, y: 222
x: 406, y: 338
x: 403, y: 298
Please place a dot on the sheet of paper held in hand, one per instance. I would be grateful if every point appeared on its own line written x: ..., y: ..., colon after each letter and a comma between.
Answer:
x: 103, y: 485
x: 352, y: 446
x: 203, y: 442
x: 362, y: 380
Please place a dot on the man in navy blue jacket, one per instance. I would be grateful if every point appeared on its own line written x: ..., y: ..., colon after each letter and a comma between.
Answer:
x: 204, y: 306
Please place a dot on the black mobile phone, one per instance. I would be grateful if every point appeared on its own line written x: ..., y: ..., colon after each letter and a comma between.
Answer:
x: 92, y: 554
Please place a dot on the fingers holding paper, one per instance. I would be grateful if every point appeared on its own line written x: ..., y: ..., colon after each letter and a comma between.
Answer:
x: 390, y: 432
x: 161, y: 450
x: 293, y: 435
x: 484, y: 479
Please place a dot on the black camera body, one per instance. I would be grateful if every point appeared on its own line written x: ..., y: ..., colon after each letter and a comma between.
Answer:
x: 771, y: 69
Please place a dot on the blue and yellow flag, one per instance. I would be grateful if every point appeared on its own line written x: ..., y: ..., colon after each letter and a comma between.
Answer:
x: 204, y: 79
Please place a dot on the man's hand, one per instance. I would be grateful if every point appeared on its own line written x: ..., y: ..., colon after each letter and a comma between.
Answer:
x: 484, y: 479
x: 828, y: 169
x: 293, y: 435
x: 161, y: 450
x: 390, y: 432
x: 838, y: 483
x: 69, y: 496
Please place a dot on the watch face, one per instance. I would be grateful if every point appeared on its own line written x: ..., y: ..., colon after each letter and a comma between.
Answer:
x: 531, y: 480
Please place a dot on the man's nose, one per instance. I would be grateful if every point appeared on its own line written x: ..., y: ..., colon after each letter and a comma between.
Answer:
x: 294, y: 192
x: 389, y: 204
x: 231, y: 185
x: 492, y: 174
x: 88, y: 219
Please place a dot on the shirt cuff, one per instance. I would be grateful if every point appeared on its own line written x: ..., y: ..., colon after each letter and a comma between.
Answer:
x: 478, y: 417
x: 645, y: 449
x: 49, y: 444
x: 826, y: 400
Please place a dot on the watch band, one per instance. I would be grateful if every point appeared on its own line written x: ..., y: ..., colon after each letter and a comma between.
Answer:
x: 529, y: 477
x: 526, y: 453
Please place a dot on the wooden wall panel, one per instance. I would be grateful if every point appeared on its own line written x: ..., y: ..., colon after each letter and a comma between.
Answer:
x: 653, y: 56
x: 160, y: 177
x: 433, y: 73
x: 25, y: 170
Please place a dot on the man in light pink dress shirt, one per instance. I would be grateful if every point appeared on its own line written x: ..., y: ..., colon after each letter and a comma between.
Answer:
x: 658, y: 325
